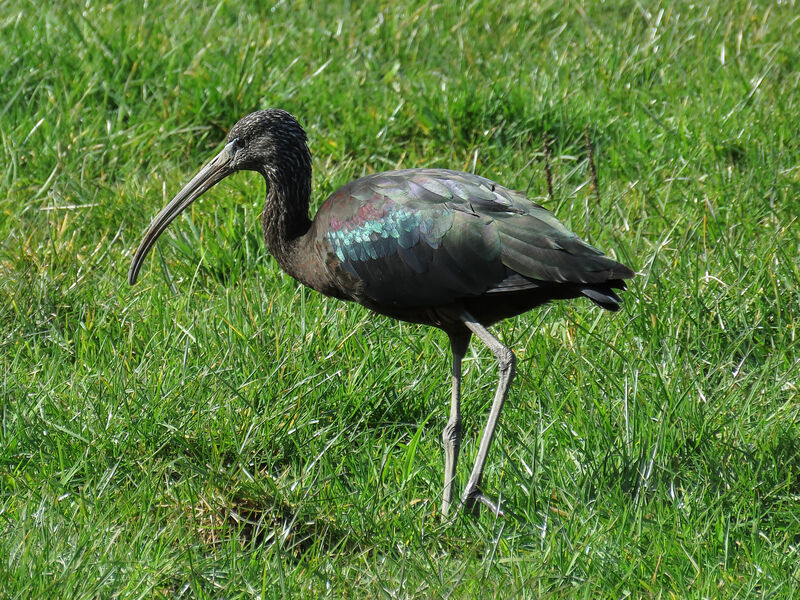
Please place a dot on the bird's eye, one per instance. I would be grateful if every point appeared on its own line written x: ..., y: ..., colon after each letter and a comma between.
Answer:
x: 237, y: 144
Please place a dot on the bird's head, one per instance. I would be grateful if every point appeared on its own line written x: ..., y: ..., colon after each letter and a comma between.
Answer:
x: 270, y: 142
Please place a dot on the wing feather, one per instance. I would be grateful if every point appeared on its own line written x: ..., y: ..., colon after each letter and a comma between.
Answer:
x: 425, y: 237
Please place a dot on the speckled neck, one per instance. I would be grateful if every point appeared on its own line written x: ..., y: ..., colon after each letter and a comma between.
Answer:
x: 285, y: 217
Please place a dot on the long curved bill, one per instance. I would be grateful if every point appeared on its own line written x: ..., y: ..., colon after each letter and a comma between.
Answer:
x: 212, y: 173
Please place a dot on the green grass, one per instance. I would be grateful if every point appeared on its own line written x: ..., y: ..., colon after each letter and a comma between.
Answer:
x: 219, y: 431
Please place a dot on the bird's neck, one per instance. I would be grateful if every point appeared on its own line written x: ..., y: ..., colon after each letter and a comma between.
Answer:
x: 285, y: 218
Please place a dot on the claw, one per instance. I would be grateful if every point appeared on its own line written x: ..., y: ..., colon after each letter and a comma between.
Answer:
x: 471, y: 504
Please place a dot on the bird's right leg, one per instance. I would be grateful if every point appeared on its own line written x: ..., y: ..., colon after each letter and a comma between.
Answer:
x: 451, y: 436
x: 506, y: 363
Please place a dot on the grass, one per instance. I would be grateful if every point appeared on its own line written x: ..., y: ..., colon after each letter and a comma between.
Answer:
x: 219, y: 431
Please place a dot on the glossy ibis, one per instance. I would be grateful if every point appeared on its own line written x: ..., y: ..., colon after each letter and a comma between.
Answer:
x: 442, y: 248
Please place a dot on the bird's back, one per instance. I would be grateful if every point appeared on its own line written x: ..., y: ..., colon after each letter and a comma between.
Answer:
x: 408, y: 242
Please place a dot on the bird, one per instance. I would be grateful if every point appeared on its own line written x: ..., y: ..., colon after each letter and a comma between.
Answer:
x: 438, y: 247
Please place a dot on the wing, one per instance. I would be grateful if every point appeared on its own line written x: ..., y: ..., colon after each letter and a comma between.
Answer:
x: 427, y: 237
x: 402, y: 235
x: 538, y: 247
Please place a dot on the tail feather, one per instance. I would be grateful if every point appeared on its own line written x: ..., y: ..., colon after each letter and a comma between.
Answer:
x: 604, y: 296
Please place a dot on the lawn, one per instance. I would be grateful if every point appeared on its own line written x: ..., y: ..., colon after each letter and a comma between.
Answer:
x: 219, y: 431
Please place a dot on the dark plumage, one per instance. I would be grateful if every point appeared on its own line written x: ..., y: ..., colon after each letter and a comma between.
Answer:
x: 443, y: 248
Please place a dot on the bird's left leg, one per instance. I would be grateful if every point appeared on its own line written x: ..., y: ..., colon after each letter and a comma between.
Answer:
x: 506, y: 362
x: 451, y: 436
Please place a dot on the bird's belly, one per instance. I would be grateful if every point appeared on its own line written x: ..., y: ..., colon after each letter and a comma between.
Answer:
x: 487, y: 308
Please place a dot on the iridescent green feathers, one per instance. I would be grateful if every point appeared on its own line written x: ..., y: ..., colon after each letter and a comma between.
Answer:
x: 423, y: 237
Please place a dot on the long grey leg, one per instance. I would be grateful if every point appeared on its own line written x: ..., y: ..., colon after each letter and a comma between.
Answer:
x: 451, y: 436
x: 506, y: 362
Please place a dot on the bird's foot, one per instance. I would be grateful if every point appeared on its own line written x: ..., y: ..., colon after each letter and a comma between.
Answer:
x: 475, y: 498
